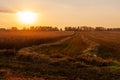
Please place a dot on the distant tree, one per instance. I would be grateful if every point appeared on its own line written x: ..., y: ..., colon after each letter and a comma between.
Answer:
x: 14, y: 28
x: 2, y: 29
x: 32, y: 28
x: 61, y: 29
x: 100, y: 29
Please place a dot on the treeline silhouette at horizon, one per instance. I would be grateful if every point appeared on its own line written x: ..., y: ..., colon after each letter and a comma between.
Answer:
x: 50, y: 28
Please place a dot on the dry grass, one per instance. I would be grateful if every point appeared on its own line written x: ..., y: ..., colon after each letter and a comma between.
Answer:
x: 64, y: 61
x: 109, y: 43
x: 20, y: 39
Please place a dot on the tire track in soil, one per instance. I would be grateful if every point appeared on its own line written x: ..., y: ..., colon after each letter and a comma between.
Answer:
x: 31, y: 50
x: 92, y: 49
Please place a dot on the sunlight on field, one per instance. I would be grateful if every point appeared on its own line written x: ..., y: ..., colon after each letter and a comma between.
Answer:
x: 19, y: 39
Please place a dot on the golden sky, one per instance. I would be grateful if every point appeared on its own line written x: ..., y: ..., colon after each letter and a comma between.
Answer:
x: 62, y: 12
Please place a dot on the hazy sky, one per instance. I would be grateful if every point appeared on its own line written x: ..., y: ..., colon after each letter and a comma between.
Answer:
x: 63, y: 12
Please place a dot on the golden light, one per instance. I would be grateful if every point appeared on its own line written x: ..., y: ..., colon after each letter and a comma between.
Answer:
x: 27, y: 17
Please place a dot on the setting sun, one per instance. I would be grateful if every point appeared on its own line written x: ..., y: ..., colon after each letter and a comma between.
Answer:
x: 27, y: 17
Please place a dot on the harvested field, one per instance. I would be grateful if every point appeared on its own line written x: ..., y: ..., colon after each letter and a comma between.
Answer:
x: 83, y: 55
x: 20, y: 39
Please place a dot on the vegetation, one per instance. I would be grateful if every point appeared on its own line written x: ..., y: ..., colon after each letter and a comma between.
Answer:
x: 20, y: 39
x: 70, y: 28
x: 87, y: 55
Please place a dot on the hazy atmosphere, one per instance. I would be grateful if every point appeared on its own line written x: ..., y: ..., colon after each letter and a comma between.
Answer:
x: 59, y: 40
x: 62, y: 12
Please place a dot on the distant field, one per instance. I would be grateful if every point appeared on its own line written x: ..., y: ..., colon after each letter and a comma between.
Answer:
x: 85, y: 55
x: 20, y: 39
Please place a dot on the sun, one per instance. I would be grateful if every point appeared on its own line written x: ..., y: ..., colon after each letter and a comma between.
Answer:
x: 27, y: 17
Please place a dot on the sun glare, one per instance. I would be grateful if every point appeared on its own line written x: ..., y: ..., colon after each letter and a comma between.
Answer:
x: 27, y: 17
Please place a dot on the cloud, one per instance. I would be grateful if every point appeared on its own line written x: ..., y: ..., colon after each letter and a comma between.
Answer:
x: 6, y: 11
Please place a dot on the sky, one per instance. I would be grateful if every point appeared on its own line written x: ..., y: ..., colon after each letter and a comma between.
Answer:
x: 62, y: 13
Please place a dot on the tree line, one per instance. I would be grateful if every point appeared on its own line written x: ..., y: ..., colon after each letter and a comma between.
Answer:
x: 85, y: 28
x: 50, y: 28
